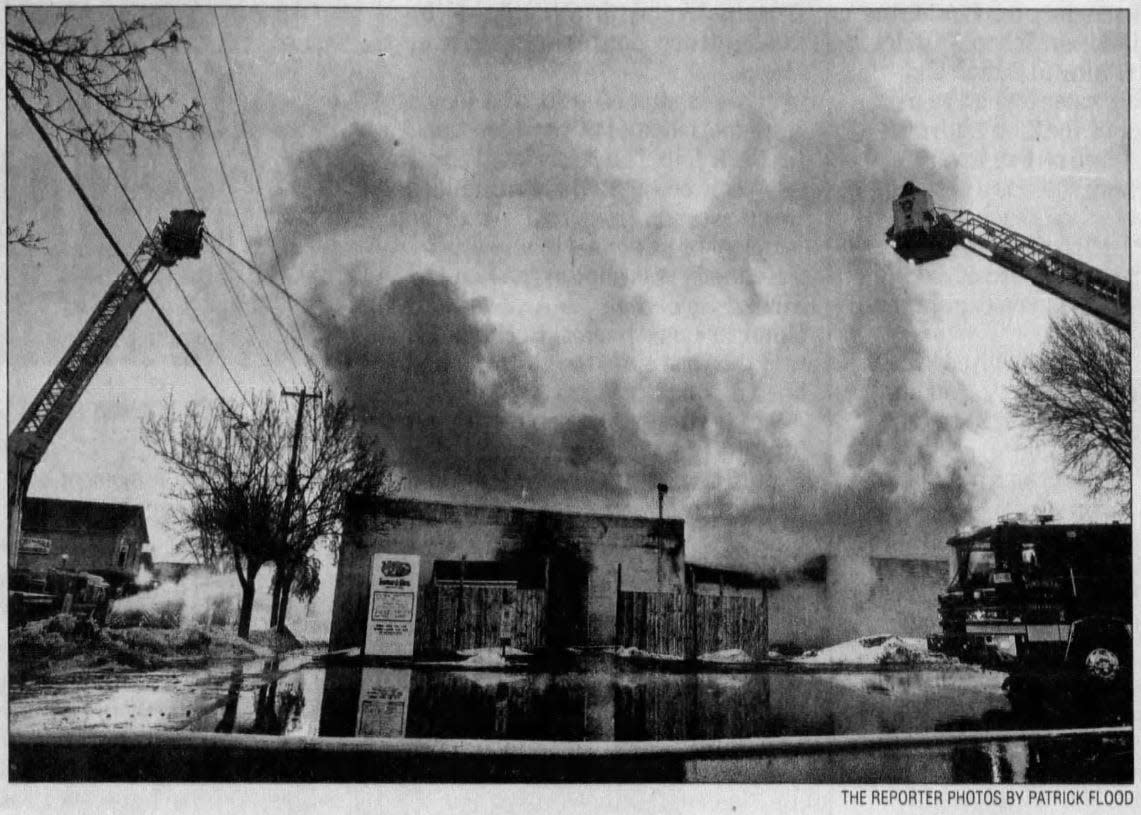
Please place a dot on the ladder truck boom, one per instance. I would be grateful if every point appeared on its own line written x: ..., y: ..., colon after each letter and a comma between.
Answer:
x: 922, y: 232
x: 169, y: 242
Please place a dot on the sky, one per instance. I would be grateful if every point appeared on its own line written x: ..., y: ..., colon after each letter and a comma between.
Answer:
x: 559, y: 257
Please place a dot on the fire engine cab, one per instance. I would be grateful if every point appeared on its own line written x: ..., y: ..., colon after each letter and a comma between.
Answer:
x: 1041, y: 593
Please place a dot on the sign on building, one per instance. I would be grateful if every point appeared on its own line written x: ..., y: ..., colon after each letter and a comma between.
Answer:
x: 392, y: 605
x: 383, y: 707
x: 35, y: 546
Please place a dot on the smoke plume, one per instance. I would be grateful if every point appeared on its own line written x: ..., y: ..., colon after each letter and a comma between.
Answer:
x: 545, y: 328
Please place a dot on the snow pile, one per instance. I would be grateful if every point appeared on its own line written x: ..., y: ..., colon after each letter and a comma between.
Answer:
x: 883, y: 649
x: 490, y: 657
x: 727, y: 656
x: 638, y: 653
x: 920, y: 684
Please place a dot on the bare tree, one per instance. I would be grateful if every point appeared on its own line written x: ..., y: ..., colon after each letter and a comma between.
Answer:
x: 58, y: 66
x: 25, y: 236
x: 1075, y: 393
x: 335, y: 460
x: 230, y: 486
x: 232, y: 489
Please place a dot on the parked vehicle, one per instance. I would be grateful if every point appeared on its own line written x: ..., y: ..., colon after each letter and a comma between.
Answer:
x: 37, y: 595
x: 1041, y: 595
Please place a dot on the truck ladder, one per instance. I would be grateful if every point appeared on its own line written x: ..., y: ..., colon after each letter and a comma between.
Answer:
x: 40, y: 422
x: 1079, y: 284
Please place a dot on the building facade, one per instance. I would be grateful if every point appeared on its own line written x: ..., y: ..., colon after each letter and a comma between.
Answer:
x: 575, y: 557
x: 103, y: 539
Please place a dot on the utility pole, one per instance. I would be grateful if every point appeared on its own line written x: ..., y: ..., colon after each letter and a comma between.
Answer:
x: 290, y: 491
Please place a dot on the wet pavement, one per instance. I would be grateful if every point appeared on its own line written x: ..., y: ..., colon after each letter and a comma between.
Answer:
x: 296, y: 697
x: 155, y: 700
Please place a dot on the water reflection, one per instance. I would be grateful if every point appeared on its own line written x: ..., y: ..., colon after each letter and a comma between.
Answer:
x: 631, y: 706
x: 1086, y: 761
x: 290, y: 698
x: 617, y: 705
x: 264, y: 699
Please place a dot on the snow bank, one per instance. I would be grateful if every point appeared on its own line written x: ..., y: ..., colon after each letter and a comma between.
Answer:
x: 919, y: 684
x: 490, y: 657
x: 729, y: 655
x: 883, y: 649
x: 638, y: 653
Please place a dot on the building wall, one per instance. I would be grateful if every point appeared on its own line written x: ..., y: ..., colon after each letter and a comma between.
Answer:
x: 861, y: 596
x: 906, y: 594
x: 438, y: 531
x: 799, y: 613
x: 92, y: 535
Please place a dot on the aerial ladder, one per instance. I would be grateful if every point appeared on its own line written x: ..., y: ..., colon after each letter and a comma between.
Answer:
x: 922, y: 232
x: 170, y: 241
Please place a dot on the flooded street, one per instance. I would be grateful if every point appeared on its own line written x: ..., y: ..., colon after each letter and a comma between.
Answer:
x: 158, y: 700
x: 612, y: 703
x: 307, y: 703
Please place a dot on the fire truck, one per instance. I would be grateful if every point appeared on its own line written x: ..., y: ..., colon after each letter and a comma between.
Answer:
x: 1041, y: 594
x: 34, y: 594
x: 1025, y: 593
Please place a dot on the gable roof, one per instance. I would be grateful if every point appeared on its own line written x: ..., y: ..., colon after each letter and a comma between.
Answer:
x: 46, y: 515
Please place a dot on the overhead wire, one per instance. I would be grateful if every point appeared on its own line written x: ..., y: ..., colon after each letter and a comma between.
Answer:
x: 65, y: 82
x: 186, y: 187
x: 214, y: 242
x: 229, y: 186
x: 222, y: 267
x: 210, y: 339
x: 165, y: 137
x: 27, y: 108
x: 253, y: 166
x: 194, y: 203
x: 308, y: 312
x: 288, y: 334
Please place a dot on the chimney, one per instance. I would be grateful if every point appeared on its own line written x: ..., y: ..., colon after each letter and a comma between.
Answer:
x: 662, y: 490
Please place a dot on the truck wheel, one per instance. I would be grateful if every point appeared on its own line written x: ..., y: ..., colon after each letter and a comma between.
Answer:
x: 1102, y: 664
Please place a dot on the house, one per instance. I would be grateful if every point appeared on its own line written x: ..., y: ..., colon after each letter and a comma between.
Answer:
x: 100, y: 538
x: 575, y: 557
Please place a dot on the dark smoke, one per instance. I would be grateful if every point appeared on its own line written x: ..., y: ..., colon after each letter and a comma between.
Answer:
x: 762, y: 357
x: 448, y: 393
x: 354, y: 180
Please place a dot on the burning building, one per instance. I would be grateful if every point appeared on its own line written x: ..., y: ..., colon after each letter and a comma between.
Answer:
x: 575, y: 557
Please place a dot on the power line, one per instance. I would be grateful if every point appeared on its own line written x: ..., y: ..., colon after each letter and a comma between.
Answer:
x: 194, y: 203
x: 312, y: 315
x: 241, y: 307
x: 209, y: 339
x: 23, y: 103
x: 212, y: 240
x: 254, y: 167
x: 64, y: 82
x: 226, y: 178
x: 225, y: 278
x: 165, y: 136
